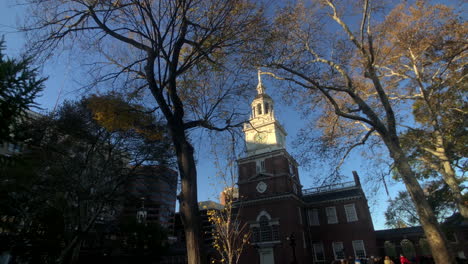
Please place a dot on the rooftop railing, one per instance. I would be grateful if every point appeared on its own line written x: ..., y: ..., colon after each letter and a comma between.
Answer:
x: 327, y: 188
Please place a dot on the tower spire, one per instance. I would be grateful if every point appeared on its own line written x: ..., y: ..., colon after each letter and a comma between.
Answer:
x: 260, y: 87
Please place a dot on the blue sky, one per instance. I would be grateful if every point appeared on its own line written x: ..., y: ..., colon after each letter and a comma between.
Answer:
x: 61, y: 85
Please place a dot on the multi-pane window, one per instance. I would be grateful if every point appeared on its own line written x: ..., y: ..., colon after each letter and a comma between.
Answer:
x: 265, y: 229
x: 319, y: 254
x: 14, y: 147
x: 359, y: 250
x: 351, y: 214
x: 261, y: 166
x: 314, y: 217
x: 275, y: 232
x: 255, y: 234
x: 338, y: 250
x: 331, y: 215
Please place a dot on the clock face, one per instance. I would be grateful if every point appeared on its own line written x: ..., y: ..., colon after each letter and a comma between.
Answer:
x: 261, y: 187
x: 260, y: 137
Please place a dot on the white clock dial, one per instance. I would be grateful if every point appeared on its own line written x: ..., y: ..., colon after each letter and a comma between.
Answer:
x: 261, y: 187
x: 260, y: 137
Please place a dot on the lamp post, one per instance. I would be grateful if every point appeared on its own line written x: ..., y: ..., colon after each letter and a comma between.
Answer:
x: 140, y: 235
x: 292, y: 243
x: 141, y: 212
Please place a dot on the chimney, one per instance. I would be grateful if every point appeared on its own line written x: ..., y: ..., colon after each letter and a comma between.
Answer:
x: 229, y: 194
x: 222, y: 198
x: 356, y: 178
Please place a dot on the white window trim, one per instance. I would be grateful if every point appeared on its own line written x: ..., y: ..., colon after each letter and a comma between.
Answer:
x: 355, y: 212
x: 303, y: 239
x: 310, y: 215
x: 334, y: 252
x: 263, y: 213
x: 314, y: 245
x: 328, y: 217
x: 363, y: 247
x: 292, y: 169
x: 300, y: 215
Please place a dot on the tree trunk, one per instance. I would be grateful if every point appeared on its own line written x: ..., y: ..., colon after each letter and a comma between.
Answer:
x: 76, y: 254
x: 69, y: 251
x: 188, y: 198
x: 440, y: 153
x: 434, y: 234
x: 452, y: 182
x: 449, y: 175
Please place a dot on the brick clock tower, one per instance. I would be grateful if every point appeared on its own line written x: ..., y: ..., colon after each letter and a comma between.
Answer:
x: 270, y: 190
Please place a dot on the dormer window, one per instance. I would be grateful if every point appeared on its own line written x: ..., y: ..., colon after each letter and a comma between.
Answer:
x: 259, y: 109
x: 260, y: 166
x: 266, y: 108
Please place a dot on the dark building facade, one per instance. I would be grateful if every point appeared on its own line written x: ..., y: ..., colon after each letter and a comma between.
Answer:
x: 412, y: 242
x: 154, y: 188
x: 178, y: 250
x: 288, y: 223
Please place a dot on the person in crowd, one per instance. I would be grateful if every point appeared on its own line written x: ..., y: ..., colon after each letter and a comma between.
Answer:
x: 404, y: 260
x: 388, y: 260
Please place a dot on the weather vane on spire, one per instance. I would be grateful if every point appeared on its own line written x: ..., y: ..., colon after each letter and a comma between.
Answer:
x: 260, y: 88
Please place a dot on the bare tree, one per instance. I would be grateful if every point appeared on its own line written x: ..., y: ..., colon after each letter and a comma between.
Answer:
x: 166, y: 49
x: 340, y: 68
x: 230, y: 235
x: 425, y: 46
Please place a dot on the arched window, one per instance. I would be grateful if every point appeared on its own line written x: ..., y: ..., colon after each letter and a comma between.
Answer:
x: 390, y: 249
x: 259, y: 109
x: 408, y: 248
x: 266, y: 108
x: 424, y: 246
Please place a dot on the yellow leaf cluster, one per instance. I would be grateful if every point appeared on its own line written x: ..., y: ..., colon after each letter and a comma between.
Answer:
x: 114, y: 114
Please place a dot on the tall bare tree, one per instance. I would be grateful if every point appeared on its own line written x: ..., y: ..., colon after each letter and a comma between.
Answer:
x: 339, y: 62
x: 426, y: 47
x: 165, y: 50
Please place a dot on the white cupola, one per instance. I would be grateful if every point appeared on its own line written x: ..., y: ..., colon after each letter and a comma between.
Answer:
x: 263, y: 133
